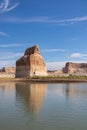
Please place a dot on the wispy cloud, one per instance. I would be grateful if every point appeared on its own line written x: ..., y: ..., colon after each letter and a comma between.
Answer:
x: 9, y: 45
x: 6, y: 6
x: 10, y: 55
x: 73, y: 20
x: 53, y: 50
x: 3, y: 34
x: 7, y: 63
x: 55, y: 65
x: 78, y: 55
x: 60, y: 65
x: 51, y: 20
x: 9, y: 58
x: 27, y: 20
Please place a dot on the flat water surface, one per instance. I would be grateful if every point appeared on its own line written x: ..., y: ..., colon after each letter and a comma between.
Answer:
x: 25, y: 106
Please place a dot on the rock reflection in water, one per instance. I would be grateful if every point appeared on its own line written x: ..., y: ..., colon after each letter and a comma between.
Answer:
x: 7, y: 90
x: 76, y: 90
x: 32, y: 95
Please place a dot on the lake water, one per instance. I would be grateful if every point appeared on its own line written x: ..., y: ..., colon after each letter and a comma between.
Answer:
x: 25, y: 106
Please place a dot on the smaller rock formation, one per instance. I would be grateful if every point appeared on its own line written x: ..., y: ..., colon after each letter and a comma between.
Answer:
x: 8, y: 69
x: 31, y: 64
x: 7, y: 72
x: 75, y: 68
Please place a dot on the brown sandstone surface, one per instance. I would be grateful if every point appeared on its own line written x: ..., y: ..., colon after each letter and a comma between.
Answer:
x: 75, y: 68
x: 31, y: 64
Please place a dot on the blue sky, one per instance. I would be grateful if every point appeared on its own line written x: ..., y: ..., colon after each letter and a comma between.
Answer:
x: 59, y: 27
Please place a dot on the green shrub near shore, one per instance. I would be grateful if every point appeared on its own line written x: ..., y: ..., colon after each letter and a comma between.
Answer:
x: 58, y: 77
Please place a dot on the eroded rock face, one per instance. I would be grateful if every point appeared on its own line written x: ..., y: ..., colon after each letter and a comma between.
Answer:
x: 31, y: 64
x: 75, y: 68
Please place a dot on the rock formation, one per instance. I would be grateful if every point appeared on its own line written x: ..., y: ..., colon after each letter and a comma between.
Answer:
x: 31, y: 64
x: 7, y: 72
x: 75, y: 68
x: 8, y: 69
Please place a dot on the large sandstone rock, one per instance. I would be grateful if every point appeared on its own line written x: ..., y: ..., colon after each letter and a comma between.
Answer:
x: 75, y: 68
x: 31, y: 64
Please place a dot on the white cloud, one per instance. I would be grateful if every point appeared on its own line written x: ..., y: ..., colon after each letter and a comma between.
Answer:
x: 55, y: 65
x: 60, y: 65
x: 7, y: 63
x: 53, y: 50
x: 9, y: 58
x: 80, y: 61
x: 5, y: 6
x: 27, y: 20
x: 3, y: 34
x: 78, y: 55
x: 10, y: 55
x: 52, y: 20
x: 73, y: 20
x: 9, y: 45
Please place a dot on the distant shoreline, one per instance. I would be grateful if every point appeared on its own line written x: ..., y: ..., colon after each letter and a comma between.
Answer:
x: 42, y: 80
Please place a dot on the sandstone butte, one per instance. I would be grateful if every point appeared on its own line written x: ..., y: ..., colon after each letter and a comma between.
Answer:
x: 75, y: 68
x: 31, y: 64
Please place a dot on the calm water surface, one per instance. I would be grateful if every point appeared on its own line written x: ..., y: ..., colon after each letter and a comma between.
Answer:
x: 25, y: 106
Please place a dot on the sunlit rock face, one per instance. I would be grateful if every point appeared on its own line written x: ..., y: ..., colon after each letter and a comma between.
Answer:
x: 75, y: 68
x: 31, y: 64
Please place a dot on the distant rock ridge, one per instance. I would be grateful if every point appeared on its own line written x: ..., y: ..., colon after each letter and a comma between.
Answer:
x: 31, y: 64
x: 75, y: 68
x: 7, y: 72
x: 8, y: 69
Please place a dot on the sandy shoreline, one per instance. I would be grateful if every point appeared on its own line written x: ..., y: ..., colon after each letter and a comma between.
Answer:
x: 48, y: 80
